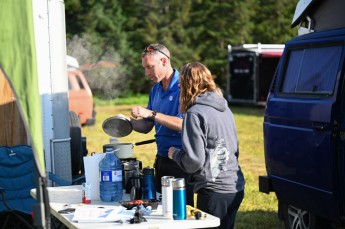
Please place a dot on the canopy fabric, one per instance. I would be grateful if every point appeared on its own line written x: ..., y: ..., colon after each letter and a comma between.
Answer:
x: 18, y: 63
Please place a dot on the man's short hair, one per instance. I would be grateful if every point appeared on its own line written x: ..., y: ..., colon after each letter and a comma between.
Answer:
x: 154, y: 49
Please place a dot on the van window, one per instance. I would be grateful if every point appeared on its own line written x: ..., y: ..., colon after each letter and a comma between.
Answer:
x: 312, y: 70
x: 81, y: 85
x: 69, y: 84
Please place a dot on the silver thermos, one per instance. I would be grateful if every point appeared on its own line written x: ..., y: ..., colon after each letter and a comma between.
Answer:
x: 167, y: 196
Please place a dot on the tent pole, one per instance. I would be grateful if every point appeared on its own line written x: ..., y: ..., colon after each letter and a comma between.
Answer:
x: 41, y: 209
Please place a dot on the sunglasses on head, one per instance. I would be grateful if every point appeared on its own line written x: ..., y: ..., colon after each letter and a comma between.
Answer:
x: 153, y: 49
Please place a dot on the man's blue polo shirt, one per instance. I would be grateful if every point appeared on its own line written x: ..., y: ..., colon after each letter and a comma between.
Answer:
x: 166, y: 103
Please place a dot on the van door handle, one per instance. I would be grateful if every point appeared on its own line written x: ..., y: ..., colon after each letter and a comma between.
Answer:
x: 319, y: 126
x: 342, y: 135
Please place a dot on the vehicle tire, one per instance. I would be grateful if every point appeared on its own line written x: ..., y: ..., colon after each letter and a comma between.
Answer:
x: 295, y: 218
x: 76, y: 143
x: 94, y: 112
x: 92, y: 121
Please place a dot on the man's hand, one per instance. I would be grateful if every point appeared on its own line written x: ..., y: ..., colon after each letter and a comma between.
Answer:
x: 141, y: 112
x: 171, y: 152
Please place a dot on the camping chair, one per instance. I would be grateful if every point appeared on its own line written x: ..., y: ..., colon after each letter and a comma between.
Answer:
x: 17, y: 178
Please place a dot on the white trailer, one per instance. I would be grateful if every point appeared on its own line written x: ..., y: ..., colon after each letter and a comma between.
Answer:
x: 250, y: 71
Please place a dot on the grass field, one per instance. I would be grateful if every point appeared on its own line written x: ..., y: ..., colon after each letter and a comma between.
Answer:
x: 258, y: 210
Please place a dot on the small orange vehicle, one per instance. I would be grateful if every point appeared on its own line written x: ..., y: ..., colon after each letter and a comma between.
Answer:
x: 80, y: 95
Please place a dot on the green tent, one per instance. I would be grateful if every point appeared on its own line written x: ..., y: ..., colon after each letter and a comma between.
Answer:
x: 18, y: 63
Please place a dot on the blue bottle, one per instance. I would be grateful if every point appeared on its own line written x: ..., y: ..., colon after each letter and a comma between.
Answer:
x: 179, y: 199
x: 110, y: 183
x: 149, y: 184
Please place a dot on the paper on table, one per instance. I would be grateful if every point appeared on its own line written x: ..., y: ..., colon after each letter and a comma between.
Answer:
x: 91, y: 165
x: 95, y: 214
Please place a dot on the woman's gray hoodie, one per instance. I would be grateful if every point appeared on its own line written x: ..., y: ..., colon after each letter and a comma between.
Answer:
x: 210, y: 146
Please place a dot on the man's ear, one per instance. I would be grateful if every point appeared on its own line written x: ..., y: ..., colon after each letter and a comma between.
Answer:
x: 164, y: 61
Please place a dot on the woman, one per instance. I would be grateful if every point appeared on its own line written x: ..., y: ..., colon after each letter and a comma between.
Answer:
x: 210, y: 145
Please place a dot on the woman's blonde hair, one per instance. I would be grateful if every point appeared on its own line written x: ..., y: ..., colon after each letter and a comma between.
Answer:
x: 195, y: 79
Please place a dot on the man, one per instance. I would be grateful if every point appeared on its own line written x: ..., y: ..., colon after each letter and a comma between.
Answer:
x: 162, y: 112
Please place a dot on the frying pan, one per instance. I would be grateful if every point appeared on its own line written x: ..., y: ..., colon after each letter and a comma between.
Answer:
x: 120, y: 126
x: 117, y: 126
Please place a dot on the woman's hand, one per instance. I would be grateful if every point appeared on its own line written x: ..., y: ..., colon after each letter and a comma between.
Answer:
x: 171, y: 152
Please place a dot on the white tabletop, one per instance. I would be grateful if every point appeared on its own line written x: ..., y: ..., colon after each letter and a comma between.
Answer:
x: 70, y: 196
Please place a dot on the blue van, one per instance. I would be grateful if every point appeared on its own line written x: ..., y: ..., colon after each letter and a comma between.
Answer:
x: 304, y: 122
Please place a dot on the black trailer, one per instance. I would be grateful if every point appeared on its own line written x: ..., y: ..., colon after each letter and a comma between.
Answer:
x: 250, y: 71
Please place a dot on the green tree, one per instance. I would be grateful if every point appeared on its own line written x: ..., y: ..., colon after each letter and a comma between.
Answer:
x: 273, y: 20
x: 193, y: 30
x: 158, y: 21
x: 99, y: 26
x: 214, y: 25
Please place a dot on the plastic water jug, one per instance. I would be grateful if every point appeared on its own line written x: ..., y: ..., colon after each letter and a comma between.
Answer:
x: 110, y: 168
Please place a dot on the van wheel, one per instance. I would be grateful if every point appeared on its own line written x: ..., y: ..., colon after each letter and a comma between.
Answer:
x: 91, y: 121
x: 94, y: 111
x: 295, y: 218
x: 76, y: 143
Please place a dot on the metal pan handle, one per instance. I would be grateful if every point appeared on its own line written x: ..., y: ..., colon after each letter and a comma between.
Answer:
x: 145, y: 142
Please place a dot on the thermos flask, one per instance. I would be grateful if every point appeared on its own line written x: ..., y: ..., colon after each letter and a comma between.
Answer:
x: 167, y: 196
x: 149, y: 185
x: 179, y: 199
